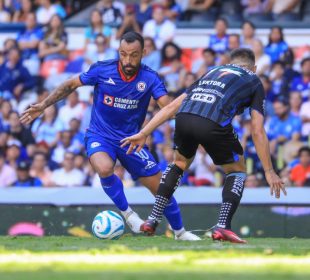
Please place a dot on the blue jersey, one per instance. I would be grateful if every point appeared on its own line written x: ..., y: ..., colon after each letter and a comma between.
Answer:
x: 120, y: 106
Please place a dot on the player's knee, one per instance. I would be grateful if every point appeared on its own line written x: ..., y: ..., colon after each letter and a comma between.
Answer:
x: 104, y: 172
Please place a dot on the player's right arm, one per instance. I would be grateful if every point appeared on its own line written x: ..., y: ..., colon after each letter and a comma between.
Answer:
x: 59, y: 93
x: 137, y: 141
x: 263, y: 151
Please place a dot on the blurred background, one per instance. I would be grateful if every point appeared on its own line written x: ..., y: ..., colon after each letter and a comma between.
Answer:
x: 44, y: 42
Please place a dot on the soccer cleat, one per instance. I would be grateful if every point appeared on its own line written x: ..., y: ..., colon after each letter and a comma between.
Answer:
x: 133, y: 221
x: 187, y: 236
x: 222, y: 234
x: 149, y: 227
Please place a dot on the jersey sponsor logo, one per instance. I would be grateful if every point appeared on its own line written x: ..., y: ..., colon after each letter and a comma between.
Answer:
x: 150, y: 164
x: 108, y: 100
x: 95, y: 145
x: 212, y: 83
x: 207, y: 98
x: 141, y: 86
x: 109, y: 81
x: 227, y: 71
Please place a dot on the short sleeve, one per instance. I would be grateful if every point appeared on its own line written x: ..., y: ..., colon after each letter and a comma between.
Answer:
x: 90, y: 77
x: 158, y: 89
x: 258, y: 101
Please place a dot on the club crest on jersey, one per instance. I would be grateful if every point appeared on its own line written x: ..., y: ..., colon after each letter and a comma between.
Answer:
x: 108, y: 100
x: 95, y: 145
x: 141, y: 86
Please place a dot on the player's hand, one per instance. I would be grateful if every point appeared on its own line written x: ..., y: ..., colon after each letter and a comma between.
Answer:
x: 275, y: 183
x: 32, y: 113
x: 135, y: 142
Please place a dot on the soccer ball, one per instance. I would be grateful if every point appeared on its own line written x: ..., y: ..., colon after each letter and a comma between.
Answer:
x: 108, y: 225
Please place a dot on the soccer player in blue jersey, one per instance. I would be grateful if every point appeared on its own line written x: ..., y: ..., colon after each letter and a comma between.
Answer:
x: 123, y: 89
x: 204, y: 117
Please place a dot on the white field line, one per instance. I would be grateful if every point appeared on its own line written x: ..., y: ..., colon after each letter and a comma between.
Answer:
x: 69, y: 258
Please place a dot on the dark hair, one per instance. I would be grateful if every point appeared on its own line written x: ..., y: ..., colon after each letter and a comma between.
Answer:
x: 171, y: 44
x: 249, y: 23
x: 303, y: 149
x: 306, y: 59
x: 235, y: 35
x: 151, y: 40
x: 223, y: 20
x: 281, y: 34
x: 278, y: 62
x: 209, y: 50
x: 283, y: 100
x: 131, y: 37
x: 245, y: 55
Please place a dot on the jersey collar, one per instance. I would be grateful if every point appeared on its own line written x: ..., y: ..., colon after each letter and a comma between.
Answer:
x: 123, y: 76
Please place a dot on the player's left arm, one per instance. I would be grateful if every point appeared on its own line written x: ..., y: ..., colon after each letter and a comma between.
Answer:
x: 137, y: 141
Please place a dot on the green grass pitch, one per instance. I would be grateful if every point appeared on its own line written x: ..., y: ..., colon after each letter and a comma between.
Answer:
x: 140, y: 257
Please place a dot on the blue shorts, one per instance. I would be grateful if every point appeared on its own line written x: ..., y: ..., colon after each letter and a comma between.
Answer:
x: 140, y: 164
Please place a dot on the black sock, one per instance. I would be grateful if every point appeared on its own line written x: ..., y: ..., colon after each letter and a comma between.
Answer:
x: 169, y: 181
x: 231, y: 195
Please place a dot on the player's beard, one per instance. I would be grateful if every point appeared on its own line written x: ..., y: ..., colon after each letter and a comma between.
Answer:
x: 129, y: 69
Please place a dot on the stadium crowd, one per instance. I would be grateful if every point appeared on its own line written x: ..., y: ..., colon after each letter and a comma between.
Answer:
x: 50, y: 152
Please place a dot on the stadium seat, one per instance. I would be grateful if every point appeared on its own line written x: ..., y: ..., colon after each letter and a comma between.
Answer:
x: 286, y: 17
x: 52, y: 67
x: 75, y: 54
x: 258, y: 17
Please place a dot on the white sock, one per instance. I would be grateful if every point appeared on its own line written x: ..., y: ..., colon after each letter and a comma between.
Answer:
x: 127, y: 211
x: 178, y: 231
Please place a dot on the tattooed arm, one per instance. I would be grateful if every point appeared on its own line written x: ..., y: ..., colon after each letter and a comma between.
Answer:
x: 59, y: 93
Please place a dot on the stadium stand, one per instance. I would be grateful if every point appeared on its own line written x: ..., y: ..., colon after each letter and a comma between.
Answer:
x: 46, y: 42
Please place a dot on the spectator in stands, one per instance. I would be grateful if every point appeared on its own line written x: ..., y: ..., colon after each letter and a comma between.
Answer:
x: 252, y: 7
x: 23, y: 176
x: 13, y: 152
x: 7, y: 173
x: 262, y: 60
x: 68, y: 175
x: 129, y: 23
x: 288, y: 59
x: 102, y: 52
x: 64, y: 145
x: 205, y: 64
x: 278, y: 7
x: 40, y: 169
x: 203, y: 169
x: 199, y: 10
x: 8, y: 44
x: 279, y: 86
x: 251, y: 181
x: 276, y: 46
x: 233, y: 41
x: 14, y: 77
x: 173, y: 69
x: 152, y: 56
x: 96, y: 27
x: 5, y: 110
x: 300, y: 174
x: 47, y: 128
x: 72, y: 109
x: 18, y: 131
x: 79, y: 161
x: 269, y: 96
x: 172, y: 9
x: 77, y: 134
x: 305, y: 116
x: 223, y: 58
x: 188, y: 80
x: 248, y: 34
x: 54, y: 44
x: 295, y: 101
x: 28, y: 42
x: 219, y: 40
x: 143, y: 12
x: 111, y: 14
x: 284, y: 126
x: 302, y: 83
x: 47, y: 10
x: 160, y: 29
x: 5, y: 16
x: 21, y: 14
